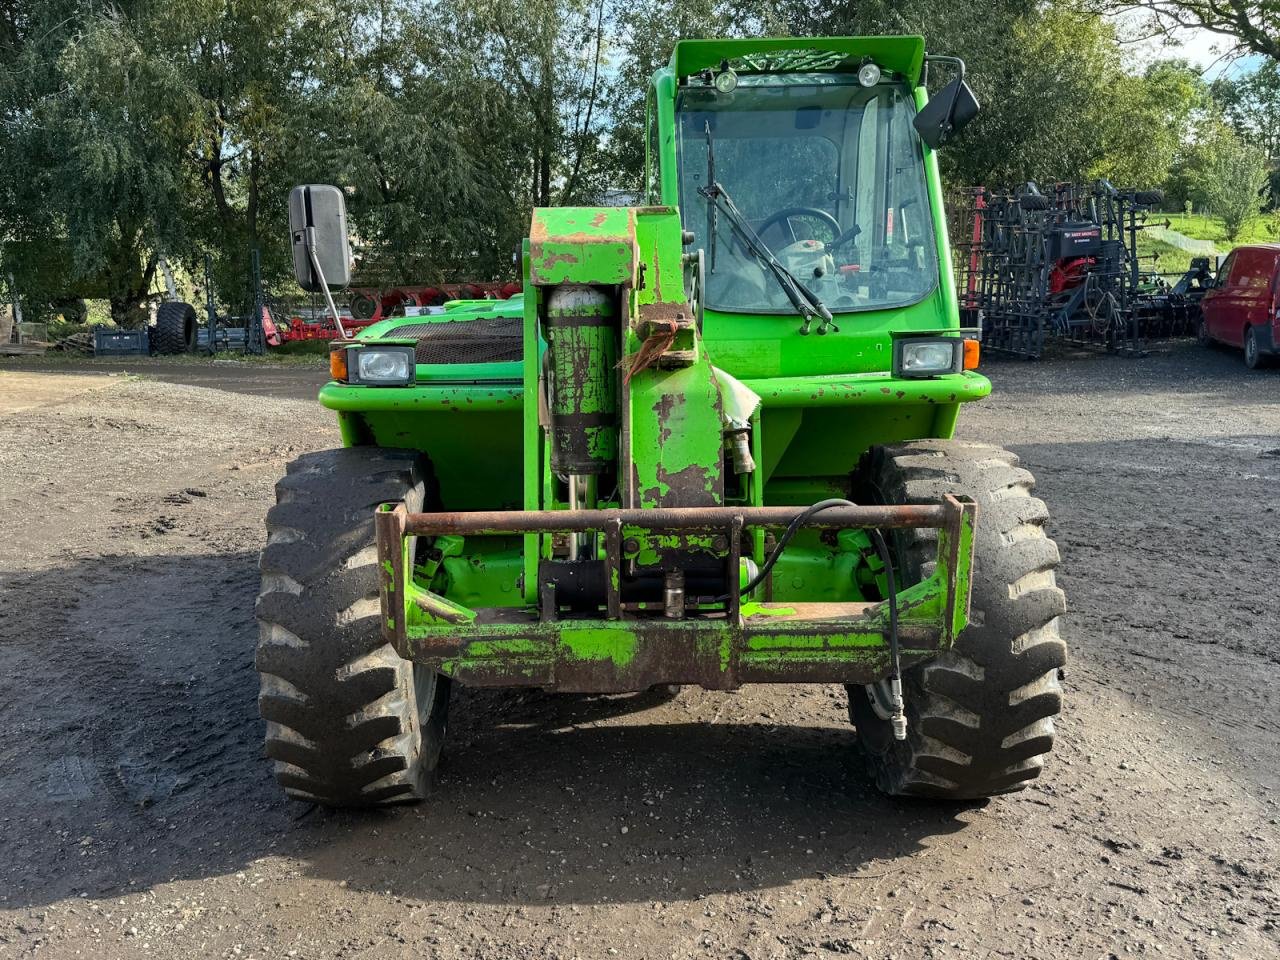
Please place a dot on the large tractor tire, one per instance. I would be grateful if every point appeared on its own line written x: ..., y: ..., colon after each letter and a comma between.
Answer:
x: 980, y: 716
x: 349, y: 723
x: 175, y: 329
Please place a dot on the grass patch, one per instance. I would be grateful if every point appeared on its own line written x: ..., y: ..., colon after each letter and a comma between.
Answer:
x: 1263, y: 229
x: 1171, y: 259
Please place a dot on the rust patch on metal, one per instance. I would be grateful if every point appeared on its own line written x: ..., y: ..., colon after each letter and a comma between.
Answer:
x: 664, y: 313
x: 485, y: 522
x: 547, y: 261
x: 686, y: 486
x: 664, y: 409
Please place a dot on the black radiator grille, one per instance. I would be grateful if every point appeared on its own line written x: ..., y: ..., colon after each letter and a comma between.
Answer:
x: 494, y: 340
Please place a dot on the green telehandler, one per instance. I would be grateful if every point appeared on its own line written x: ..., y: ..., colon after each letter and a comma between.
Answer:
x: 710, y: 444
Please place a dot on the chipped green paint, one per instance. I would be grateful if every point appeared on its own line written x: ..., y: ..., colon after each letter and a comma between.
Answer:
x: 658, y: 239
x: 650, y: 548
x: 593, y: 245
x: 517, y: 646
x: 615, y: 644
x: 582, y: 388
x: 750, y: 610
x: 963, y: 577
x: 676, y: 437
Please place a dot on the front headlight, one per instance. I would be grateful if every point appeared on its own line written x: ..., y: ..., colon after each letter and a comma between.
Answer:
x: 927, y: 356
x: 380, y: 366
x: 384, y: 366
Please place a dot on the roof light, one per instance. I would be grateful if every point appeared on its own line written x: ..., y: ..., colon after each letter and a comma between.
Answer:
x: 868, y: 74
x: 726, y: 81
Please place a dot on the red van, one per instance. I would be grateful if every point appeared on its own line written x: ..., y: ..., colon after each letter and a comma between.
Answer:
x: 1243, y: 308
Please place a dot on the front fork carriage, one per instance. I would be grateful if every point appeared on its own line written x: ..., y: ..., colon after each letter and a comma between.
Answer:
x: 564, y: 640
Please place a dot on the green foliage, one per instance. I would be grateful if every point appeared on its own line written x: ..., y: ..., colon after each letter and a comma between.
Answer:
x: 1250, y: 103
x: 1245, y: 26
x: 81, y: 203
x: 1220, y: 173
x: 178, y: 126
x: 1234, y: 179
x: 1058, y: 102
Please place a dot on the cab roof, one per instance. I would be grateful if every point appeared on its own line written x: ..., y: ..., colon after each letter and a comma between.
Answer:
x: 904, y: 55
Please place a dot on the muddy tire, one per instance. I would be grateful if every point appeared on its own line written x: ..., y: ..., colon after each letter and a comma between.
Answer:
x: 1254, y: 358
x: 175, y: 329
x: 980, y: 717
x: 349, y: 723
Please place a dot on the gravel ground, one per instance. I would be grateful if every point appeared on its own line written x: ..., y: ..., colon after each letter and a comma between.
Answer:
x: 138, y: 819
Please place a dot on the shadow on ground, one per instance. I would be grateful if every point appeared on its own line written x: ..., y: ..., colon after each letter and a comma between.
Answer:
x: 137, y: 761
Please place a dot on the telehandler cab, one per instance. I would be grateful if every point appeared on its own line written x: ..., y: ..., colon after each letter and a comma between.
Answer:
x: 710, y: 444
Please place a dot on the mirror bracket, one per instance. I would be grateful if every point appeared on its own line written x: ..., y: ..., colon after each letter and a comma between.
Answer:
x: 321, y: 245
x: 309, y: 240
x: 936, y: 126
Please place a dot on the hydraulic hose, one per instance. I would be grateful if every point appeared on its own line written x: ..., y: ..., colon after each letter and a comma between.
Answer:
x: 898, y: 718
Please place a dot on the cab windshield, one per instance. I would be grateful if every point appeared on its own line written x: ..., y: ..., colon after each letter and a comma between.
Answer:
x: 831, y: 176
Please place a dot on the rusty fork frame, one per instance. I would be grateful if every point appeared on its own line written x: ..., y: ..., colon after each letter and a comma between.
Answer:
x: 822, y: 641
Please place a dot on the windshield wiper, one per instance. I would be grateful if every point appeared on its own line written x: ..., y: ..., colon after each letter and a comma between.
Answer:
x: 806, y: 303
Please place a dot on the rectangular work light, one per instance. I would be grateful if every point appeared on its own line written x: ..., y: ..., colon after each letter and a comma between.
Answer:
x: 928, y: 356
x: 373, y: 365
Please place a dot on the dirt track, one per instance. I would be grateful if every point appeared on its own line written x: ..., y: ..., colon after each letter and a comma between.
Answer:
x: 137, y: 818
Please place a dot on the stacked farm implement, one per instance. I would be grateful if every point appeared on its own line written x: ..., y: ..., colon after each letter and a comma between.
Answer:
x: 1063, y: 264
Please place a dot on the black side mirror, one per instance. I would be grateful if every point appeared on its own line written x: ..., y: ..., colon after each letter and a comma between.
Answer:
x: 946, y: 114
x: 318, y: 229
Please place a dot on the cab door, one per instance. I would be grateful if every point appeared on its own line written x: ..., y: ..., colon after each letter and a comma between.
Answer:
x: 1242, y: 300
x: 1252, y: 290
x: 1215, y: 306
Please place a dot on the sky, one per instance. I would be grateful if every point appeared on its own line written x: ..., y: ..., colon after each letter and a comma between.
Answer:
x: 1201, y: 47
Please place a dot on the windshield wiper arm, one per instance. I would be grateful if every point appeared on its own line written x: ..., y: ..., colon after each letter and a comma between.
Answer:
x: 805, y: 301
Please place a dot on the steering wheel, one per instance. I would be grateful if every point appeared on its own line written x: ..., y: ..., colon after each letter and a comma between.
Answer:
x: 785, y: 215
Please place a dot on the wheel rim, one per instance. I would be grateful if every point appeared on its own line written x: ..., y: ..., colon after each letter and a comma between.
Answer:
x: 1250, y: 349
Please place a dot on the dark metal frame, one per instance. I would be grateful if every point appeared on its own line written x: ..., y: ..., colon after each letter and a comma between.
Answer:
x: 718, y: 643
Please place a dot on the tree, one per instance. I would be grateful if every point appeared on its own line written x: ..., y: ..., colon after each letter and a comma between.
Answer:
x: 86, y: 180
x: 1249, y: 25
x: 649, y: 29
x: 1234, y: 178
x: 1057, y: 100
x: 1149, y: 117
x: 1250, y: 103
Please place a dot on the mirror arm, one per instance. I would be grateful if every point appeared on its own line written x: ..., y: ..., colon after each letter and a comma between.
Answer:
x: 955, y: 97
x: 310, y: 240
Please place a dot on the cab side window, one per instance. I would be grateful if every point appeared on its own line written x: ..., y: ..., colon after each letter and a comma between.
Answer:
x: 1224, y: 272
x: 652, y: 180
